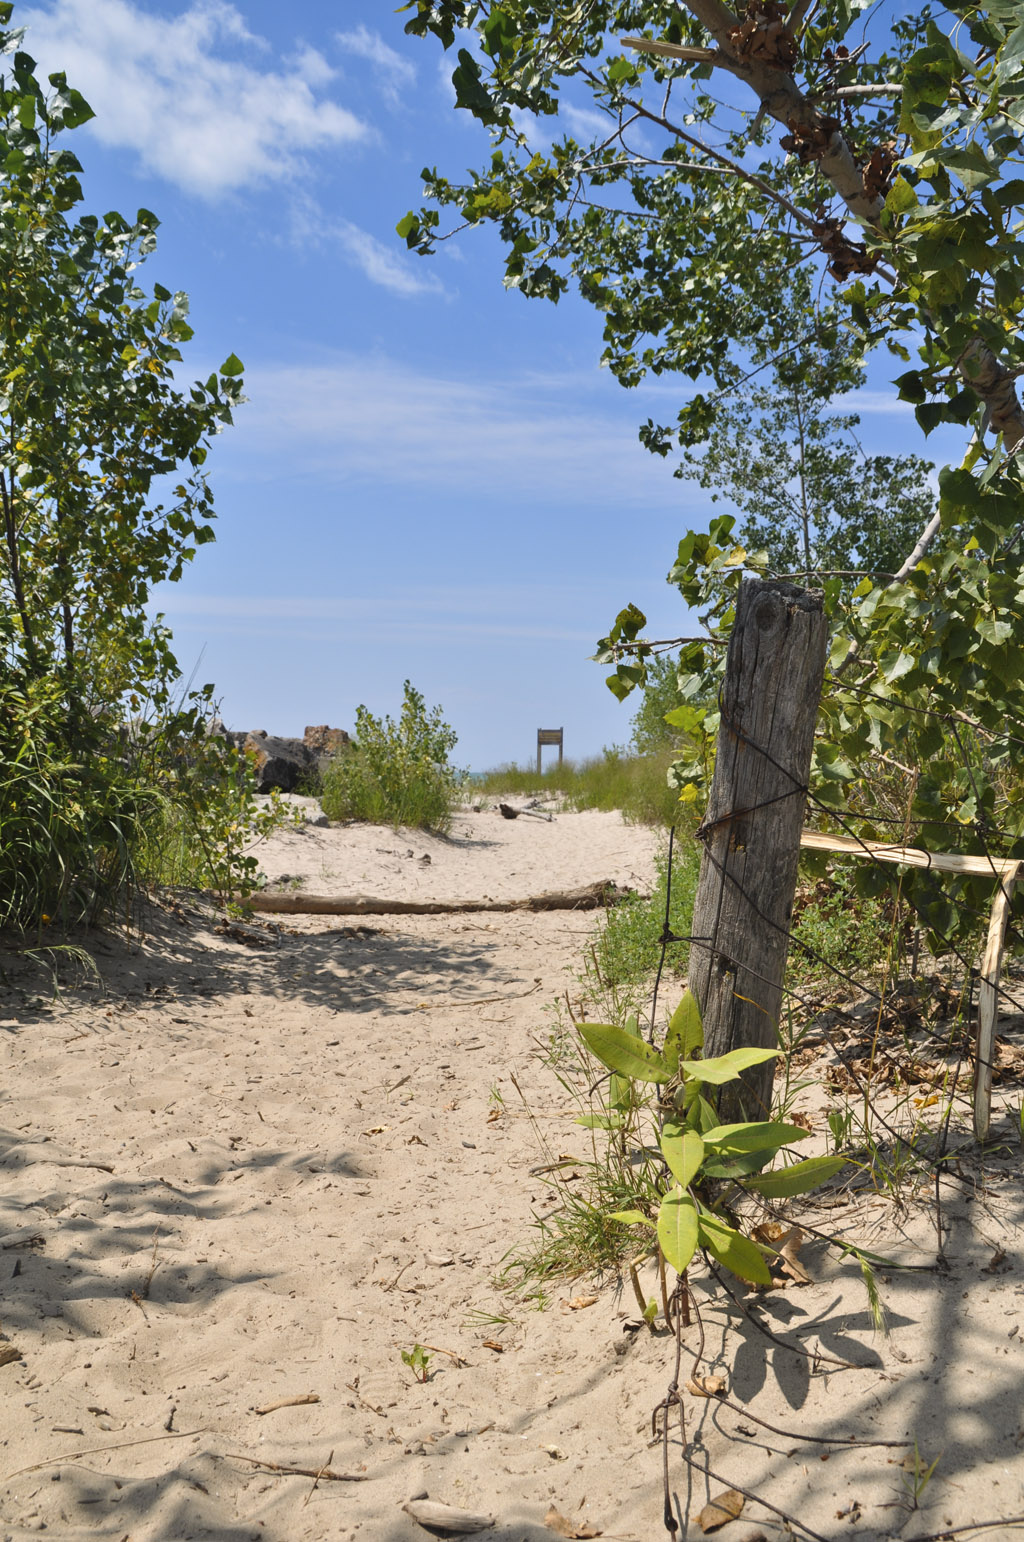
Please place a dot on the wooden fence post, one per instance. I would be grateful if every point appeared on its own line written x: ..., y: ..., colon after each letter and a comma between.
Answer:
x: 751, y: 831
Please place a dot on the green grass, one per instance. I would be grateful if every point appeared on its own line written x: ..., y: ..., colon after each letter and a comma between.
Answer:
x: 635, y: 784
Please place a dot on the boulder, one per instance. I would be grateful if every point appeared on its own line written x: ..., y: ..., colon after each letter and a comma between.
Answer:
x: 325, y: 742
x: 280, y: 763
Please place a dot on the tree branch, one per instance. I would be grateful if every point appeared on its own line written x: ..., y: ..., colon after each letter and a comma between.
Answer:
x: 782, y: 99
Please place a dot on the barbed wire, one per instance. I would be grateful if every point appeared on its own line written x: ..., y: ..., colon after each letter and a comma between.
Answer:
x: 711, y: 944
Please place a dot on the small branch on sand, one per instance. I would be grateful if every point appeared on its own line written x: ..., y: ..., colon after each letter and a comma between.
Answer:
x: 298, y: 1472
x: 289, y: 1402
x: 592, y: 896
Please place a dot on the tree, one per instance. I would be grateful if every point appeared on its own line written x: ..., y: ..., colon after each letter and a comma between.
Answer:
x: 880, y: 155
x: 92, y: 426
x: 794, y: 467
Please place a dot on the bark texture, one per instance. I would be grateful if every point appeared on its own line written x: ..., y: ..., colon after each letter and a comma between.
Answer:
x: 592, y: 896
x: 751, y: 831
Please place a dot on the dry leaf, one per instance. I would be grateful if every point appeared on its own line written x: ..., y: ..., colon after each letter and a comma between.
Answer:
x: 706, y: 1386
x: 725, y: 1507
x: 564, y: 1527
x: 494, y: 1115
x: 377, y: 1129
x: 578, y: 1303
x: 788, y: 1249
x: 499, y: 1349
x: 414, y: 1140
x: 995, y: 1262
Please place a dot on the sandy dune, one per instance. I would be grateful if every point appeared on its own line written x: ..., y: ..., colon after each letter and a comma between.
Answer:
x: 246, y: 1171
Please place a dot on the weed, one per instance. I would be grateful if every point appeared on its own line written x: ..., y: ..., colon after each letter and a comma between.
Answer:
x: 396, y: 773
x: 637, y: 785
x: 418, y: 1362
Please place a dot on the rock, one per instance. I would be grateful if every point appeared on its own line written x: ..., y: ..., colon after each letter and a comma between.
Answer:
x: 279, y: 763
x: 284, y: 763
x: 325, y: 742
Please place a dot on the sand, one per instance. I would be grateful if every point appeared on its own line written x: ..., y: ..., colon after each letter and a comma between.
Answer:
x: 252, y: 1166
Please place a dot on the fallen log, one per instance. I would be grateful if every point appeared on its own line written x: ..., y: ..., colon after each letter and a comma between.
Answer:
x: 592, y: 896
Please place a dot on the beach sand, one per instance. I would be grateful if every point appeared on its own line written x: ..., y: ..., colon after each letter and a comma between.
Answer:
x: 252, y: 1165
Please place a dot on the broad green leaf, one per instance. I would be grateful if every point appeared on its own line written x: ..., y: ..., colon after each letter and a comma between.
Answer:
x: 768, y: 1135
x: 685, y: 1034
x: 631, y: 1218
x: 736, y: 1252
x: 683, y: 1150
x: 726, y: 1068
x: 678, y: 1229
x: 797, y: 1179
x: 901, y: 198
x: 622, y: 1051
x: 232, y: 366
x: 600, y: 1121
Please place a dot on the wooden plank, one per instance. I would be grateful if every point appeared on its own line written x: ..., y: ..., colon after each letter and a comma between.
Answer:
x: 988, y: 1006
x: 1007, y: 872
x: 910, y: 856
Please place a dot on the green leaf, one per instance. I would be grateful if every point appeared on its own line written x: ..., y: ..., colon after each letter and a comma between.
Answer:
x: 798, y: 1179
x: 623, y: 1051
x: 685, y: 1034
x: 683, y: 1150
x: 232, y: 366
x: 631, y: 1218
x: 769, y: 1135
x: 678, y: 1229
x: 600, y: 1121
x: 901, y: 197
x: 736, y: 1252
x: 725, y: 1068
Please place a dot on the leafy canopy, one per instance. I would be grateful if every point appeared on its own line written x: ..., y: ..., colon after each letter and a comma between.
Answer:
x: 705, y: 156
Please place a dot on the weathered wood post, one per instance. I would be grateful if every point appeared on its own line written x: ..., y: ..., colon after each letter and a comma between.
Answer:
x: 751, y: 831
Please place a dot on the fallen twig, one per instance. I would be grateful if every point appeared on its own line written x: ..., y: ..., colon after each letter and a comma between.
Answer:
x: 289, y: 1402
x: 122, y: 1445
x: 322, y: 1473
x: 298, y: 1472
x: 480, y: 1001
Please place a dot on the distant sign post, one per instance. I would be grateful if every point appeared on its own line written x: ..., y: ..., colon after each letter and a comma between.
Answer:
x: 548, y: 736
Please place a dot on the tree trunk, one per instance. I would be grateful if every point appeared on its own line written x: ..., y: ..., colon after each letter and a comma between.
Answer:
x: 751, y: 831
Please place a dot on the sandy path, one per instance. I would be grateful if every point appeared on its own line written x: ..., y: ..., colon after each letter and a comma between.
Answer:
x: 303, y: 1139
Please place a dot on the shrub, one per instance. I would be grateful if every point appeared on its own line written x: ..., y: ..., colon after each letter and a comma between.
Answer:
x: 83, y: 830
x: 396, y: 773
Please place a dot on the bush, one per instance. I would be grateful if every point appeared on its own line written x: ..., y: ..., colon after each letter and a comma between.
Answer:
x: 396, y: 773
x: 87, y: 822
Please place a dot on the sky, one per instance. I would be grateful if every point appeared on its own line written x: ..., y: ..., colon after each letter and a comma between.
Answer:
x: 432, y: 478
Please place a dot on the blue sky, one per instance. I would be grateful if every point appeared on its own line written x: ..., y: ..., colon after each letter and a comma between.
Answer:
x: 432, y: 477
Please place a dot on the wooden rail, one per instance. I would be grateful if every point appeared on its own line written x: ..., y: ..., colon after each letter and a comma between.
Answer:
x: 1006, y: 873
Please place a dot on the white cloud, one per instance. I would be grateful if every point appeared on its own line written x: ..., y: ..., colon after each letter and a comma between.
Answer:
x: 377, y: 421
x: 383, y: 264
x: 191, y: 94
x: 392, y: 70
x: 393, y: 615
x: 386, y: 263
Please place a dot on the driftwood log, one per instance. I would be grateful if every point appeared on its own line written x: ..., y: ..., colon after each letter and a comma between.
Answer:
x: 592, y: 896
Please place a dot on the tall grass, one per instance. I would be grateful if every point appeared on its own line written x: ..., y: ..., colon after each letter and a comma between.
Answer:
x: 93, y: 812
x: 635, y: 784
